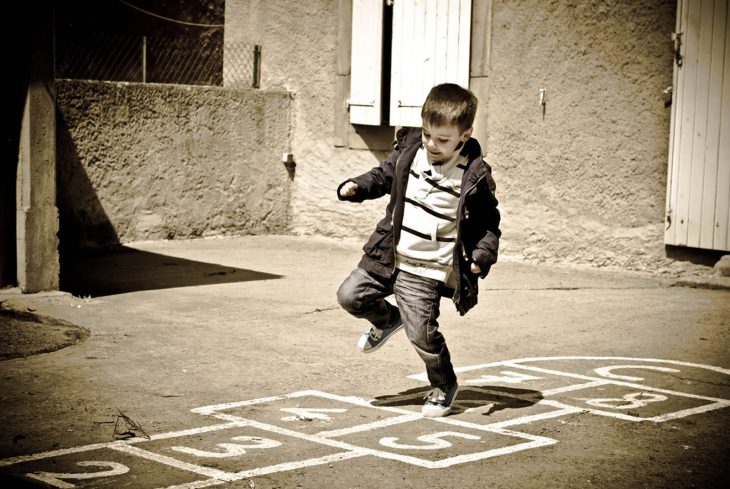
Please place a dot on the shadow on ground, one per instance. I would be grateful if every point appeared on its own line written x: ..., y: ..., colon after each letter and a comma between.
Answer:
x: 15, y: 482
x: 23, y: 334
x: 492, y: 398
x: 130, y: 270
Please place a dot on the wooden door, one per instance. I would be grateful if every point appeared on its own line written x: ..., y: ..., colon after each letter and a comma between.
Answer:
x: 698, y: 183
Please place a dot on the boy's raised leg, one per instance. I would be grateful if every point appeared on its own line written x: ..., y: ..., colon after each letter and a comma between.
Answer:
x: 363, y: 296
x: 374, y: 338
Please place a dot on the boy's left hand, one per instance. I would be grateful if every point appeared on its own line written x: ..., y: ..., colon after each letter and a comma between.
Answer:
x: 475, y: 268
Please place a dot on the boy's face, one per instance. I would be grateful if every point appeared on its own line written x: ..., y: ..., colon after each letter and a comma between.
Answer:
x: 442, y: 142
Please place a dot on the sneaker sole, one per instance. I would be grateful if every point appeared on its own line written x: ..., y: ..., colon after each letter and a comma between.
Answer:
x: 377, y: 347
x: 443, y: 413
x: 436, y: 414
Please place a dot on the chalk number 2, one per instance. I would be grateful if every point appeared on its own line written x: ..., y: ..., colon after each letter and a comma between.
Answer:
x: 58, y: 479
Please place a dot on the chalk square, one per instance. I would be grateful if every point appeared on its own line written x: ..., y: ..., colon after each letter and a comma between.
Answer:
x: 637, y: 404
x: 430, y: 444
x: 490, y: 406
x: 243, y: 448
x: 479, y: 405
x: 311, y: 412
x: 665, y: 374
x: 507, y: 376
x: 101, y: 468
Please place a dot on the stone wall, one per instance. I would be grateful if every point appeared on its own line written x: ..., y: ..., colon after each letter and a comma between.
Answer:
x: 146, y: 162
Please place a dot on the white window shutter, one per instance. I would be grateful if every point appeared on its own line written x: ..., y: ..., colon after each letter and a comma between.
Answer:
x: 431, y: 41
x: 367, y: 62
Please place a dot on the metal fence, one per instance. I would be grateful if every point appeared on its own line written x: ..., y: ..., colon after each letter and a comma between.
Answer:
x: 157, y: 59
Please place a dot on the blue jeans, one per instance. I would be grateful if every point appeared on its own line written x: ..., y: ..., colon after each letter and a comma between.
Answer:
x: 418, y: 300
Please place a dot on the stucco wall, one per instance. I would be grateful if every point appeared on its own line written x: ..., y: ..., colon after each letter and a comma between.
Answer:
x: 139, y: 162
x: 299, y: 42
x: 587, y: 182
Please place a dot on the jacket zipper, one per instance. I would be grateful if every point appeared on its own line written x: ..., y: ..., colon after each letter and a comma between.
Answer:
x: 462, y: 202
x: 392, y: 220
x: 459, y: 243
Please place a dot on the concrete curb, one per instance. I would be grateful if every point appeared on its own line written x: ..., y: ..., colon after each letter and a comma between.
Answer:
x: 707, y: 282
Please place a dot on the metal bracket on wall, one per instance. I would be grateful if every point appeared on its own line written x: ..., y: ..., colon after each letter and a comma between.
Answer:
x: 543, y: 102
x: 360, y: 104
x: 256, y: 81
x: 677, y: 38
x: 669, y: 219
x: 401, y: 104
x: 289, y: 163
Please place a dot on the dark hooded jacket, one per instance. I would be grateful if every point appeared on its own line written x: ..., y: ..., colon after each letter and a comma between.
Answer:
x: 477, y: 238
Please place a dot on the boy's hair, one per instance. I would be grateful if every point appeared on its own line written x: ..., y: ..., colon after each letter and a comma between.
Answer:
x: 450, y: 104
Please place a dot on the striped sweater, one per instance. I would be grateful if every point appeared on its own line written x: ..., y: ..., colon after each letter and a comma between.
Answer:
x: 428, y: 233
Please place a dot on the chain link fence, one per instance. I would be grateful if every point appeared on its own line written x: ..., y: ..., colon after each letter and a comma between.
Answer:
x: 158, y: 59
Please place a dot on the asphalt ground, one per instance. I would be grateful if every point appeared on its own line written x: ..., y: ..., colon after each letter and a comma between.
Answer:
x: 228, y: 363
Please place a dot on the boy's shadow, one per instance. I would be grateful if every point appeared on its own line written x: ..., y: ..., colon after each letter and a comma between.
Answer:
x: 490, y: 398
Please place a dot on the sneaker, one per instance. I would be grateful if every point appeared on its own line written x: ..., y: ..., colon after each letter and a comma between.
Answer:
x: 438, y: 403
x: 375, y: 338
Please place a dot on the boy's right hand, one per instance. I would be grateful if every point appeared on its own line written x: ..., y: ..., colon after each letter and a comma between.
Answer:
x: 348, y: 189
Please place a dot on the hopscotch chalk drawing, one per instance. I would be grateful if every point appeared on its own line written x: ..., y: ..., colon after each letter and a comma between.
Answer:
x: 497, y: 405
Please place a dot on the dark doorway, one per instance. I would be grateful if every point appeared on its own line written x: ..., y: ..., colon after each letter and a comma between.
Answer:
x: 17, y: 88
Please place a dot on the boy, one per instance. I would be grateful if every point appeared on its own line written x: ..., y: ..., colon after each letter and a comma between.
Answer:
x: 439, y: 235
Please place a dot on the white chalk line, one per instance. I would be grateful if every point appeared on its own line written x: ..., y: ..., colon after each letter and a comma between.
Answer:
x: 272, y: 469
x: 287, y: 432
x: 207, y: 410
x: 543, y: 359
x: 460, y: 459
x: 574, y: 387
x: 533, y: 441
x: 395, y: 420
x: 54, y: 453
x: 218, y: 477
x: 173, y: 462
x: 631, y: 385
x: 405, y: 415
x: 590, y: 379
x: 561, y: 410
x: 607, y: 371
x: 663, y: 417
x: 716, y: 403
x: 111, y: 444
